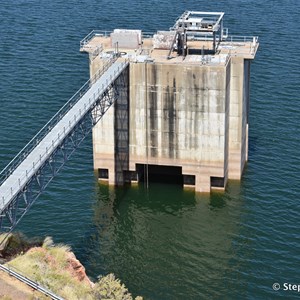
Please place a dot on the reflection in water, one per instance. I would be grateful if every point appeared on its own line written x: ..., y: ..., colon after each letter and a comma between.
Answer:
x: 161, y: 240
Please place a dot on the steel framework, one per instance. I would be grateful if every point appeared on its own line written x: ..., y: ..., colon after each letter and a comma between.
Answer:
x: 23, y: 200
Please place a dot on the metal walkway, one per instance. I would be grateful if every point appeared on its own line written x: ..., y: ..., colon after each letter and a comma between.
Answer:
x: 27, y: 175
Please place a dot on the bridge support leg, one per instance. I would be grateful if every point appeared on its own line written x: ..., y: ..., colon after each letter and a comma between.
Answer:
x: 111, y: 134
x: 121, y: 128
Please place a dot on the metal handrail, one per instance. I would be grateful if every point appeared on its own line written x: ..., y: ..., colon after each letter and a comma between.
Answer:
x: 106, y: 33
x: 241, y: 39
x: 16, y: 161
x: 226, y: 37
x: 146, y: 35
x: 92, y: 34
x: 35, y: 285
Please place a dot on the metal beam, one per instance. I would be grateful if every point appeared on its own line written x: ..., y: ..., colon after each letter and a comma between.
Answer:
x: 53, y: 157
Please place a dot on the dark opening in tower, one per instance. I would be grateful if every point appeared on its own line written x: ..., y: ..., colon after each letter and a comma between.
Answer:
x: 159, y: 173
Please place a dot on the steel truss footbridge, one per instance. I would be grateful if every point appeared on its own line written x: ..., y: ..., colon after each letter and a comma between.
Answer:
x: 28, y: 174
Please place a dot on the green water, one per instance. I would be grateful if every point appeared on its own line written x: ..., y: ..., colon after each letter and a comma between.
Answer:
x: 164, y: 242
x: 160, y: 231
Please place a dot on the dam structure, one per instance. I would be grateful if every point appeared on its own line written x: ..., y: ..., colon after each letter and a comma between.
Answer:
x: 173, y: 105
x: 184, y: 114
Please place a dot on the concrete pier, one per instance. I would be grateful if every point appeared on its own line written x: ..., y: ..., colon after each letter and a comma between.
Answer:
x: 183, y: 111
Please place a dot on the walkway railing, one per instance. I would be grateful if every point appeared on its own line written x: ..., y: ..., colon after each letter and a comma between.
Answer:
x: 12, y: 272
x: 11, y: 167
x: 42, y: 158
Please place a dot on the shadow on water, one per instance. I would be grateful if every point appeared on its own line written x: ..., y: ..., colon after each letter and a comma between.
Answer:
x: 163, y: 237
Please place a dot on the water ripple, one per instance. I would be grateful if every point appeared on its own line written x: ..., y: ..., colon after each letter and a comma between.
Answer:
x: 163, y: 243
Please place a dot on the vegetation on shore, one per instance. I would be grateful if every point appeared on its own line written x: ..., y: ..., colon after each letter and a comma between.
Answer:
x: 14, y: 244
x: 56, y: 268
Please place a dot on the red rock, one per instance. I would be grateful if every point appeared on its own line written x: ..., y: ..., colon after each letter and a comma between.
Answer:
x: 77, y: 269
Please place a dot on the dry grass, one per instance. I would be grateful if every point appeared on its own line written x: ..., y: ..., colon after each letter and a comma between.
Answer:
x: 48, y: 265
x: 48, y: 268
x: 5, y: 298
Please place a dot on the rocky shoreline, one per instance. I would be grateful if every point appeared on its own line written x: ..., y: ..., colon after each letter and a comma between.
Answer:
x: 15, y: 244
x: 57, y: 268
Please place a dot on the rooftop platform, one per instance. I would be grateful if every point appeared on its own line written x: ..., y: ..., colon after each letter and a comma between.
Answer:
x: 243, y: 46
x: 195, y: 38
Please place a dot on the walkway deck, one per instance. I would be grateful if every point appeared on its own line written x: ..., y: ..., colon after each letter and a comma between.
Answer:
x: 26, y: 169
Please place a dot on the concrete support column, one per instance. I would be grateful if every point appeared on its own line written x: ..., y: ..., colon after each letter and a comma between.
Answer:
x: 111, y: 174
x: 202, y: 183
x: 247, y: 65
x: 111, y: 135
x: 237, y: 111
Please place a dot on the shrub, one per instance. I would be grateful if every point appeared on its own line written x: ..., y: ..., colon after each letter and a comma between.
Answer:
x: 108, y: 287
x: 49, y: 266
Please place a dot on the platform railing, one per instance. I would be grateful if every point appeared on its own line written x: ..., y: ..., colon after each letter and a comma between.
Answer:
x: 226, y: 37
x: 106, y: 33
x: 11, y: 167
x: 147, y: 35
x: 241, y: 39
x: 252, y: 41
x: 92, y: 34
x: 204, y: 37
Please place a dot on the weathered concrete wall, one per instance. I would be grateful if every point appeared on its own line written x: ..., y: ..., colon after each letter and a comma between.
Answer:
x: 104, y: 144
x: 239, y: 111
x: 191, y: 116
x: 178, y: 117
x: 246, y: 103
x: 227, y: 120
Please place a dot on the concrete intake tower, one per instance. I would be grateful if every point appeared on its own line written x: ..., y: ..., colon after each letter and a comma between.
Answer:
x: 183, y: 103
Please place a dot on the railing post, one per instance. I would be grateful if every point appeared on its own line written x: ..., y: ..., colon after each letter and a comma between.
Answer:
x: 65, y: 109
